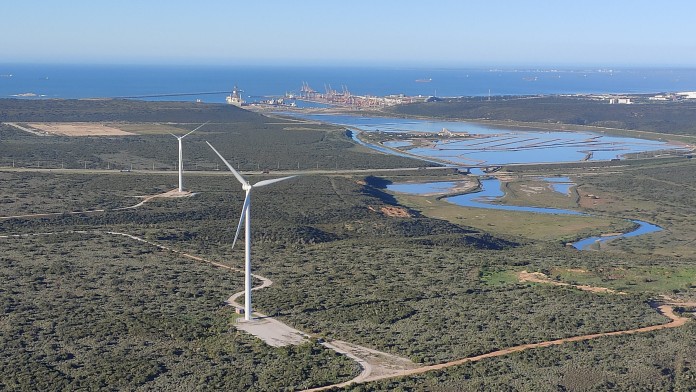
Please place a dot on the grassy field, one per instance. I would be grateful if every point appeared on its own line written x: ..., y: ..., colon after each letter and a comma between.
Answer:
x: 519, y: 190
x: 656, y: 191
x: 640, y: 279
x: 544, y: 227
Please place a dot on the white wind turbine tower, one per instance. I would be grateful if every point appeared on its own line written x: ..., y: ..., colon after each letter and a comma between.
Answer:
x: 246, y: 218
x: 181, y: 156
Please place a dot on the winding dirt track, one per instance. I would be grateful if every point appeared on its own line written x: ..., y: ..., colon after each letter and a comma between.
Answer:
x: 405, y: 367
x: 169, y: 194
x: 538, y: 277
x: 378, y: 365
x: 666, y: 310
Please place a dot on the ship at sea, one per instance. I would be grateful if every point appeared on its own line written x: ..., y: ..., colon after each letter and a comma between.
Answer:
x: 424, y: 80
x: 235, y: 98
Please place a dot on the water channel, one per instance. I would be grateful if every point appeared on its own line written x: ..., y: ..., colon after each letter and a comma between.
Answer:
x: 483, y: 145
x: 491, y: 192
x: 479, y: 145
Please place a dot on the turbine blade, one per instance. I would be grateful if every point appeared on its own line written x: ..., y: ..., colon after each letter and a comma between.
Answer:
x: 241, y: 217
x: 236, y: 174
x: 273, y: 181
x: 197, y: 128
x: 174, y: 135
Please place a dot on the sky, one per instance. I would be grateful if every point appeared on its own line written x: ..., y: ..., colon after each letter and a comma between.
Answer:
x: 351, y: 32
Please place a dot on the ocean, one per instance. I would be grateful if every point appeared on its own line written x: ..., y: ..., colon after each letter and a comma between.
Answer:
x: 213, y: 83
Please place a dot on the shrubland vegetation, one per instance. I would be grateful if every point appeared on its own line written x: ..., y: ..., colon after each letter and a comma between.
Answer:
x: 674, y: 118
x: 430, y: 303
x: 93, y: 311
x: 248, y: 140
x: 661, y: 361
x: 121, y: 110
x: 412, y: 286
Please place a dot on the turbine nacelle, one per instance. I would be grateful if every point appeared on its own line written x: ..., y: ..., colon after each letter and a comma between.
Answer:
x: 246, y: 186
x: 190, y: 132
x: 181, y: 156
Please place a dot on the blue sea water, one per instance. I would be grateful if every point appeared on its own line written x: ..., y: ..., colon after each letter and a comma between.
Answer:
x: 92, y: 81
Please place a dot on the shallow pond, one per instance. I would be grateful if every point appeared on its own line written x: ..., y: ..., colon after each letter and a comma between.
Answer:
x: 643, y: 228
x: 486, y: 198
x: 483, y: 145
x: 479, y: 144
x: 491, y: 192
x: 426, y: 188
x: 560, y: 184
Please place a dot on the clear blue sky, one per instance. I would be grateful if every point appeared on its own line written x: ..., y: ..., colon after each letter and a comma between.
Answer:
x: 367, y: 32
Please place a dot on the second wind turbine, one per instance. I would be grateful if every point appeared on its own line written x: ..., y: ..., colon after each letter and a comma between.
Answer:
x: 181, y: 156
x: 246, y: 218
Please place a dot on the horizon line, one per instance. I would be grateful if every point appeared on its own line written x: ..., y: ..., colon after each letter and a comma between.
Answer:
x: 290, y: 64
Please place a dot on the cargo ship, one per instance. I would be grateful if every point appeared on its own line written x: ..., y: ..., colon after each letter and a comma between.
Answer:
x: 235, y: 98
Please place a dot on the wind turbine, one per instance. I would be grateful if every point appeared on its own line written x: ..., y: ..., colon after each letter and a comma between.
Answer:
x: 246, y: 218
x: 181, y: 156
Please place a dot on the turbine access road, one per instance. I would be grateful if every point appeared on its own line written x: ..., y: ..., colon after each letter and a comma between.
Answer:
x: 375, y: 365
x: 293, y: 172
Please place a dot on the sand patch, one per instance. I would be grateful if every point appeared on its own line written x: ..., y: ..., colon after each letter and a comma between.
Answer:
x: 391, y: 211
x: 532, y: 190
x: 590, y: 200
x: 577, y: 270
x: 397, y: 212
x: 79, y: 129
x: 538, y: 277
x: 271, y: 331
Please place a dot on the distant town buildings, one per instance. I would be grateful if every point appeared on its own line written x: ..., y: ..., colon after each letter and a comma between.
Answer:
x: 687, y: 95
x: 674, y: 96
x: 620, y: 101
x: 624, y: 99
x: 663, y: 97
x: 445, y: 133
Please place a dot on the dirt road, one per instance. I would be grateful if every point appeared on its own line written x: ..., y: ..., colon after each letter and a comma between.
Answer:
x: 377, y: 365
x: 666, y: 310
x: 169, y: 194
x: 538, y: 277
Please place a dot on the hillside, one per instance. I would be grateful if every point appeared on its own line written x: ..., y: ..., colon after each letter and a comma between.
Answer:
x: 677, y: 118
